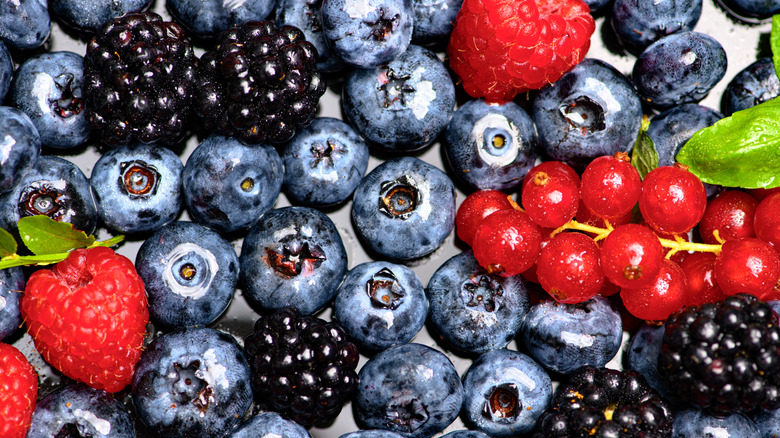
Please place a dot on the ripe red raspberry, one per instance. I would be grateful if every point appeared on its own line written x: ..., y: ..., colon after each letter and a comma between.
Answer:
x: 18, y: 392
x: 87, y: 316
x: 500, y: 48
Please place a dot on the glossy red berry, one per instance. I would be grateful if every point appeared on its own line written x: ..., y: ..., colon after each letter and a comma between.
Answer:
x: 730, y: 213
x: 610, y: 186
x: 747, y: 265
x: 569, y: 268
x: 631, y: 256
x: 507, y: 243
x: 760, y: 194
x: 699, y: 268
x: 551, y: 194
x: 476, y: 207
x: 767, y: 220
x: 673, y: 199
x: 530, y: 273
x: 664, y: 296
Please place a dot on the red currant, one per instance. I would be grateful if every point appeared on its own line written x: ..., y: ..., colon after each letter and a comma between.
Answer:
x: 664, y: 296
x: 631, y: 256
x: 747, y: 265
x: 760, y: 194
x: 569, y: 268
x: 731, y: 214
x: 610, y: 186
x: 587, y: 217
x: 551, y: 194
x: 507, y: 242
x: 673, y: 199
x: 699, y: 268
x: 767, y: 220
x: 530, y: 273
x: 476, y: 207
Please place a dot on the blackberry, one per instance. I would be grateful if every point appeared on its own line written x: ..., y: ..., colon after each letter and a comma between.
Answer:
x: 260, y: 83
x: 139, y: 73
x: 724, y: 356
x: 302, y: 367
x: 602, y: 402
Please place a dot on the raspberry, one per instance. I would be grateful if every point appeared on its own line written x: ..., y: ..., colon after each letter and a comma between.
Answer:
x: 18, y: 392
x: 500, y: 48
x: 87, y: 316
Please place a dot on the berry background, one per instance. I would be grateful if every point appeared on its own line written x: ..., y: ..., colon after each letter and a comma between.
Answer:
x: 743, y: 42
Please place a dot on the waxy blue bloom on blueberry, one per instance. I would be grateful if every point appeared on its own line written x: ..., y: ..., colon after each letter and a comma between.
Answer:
x: 20, y: 147
x: 642, y: 356
x: 228, y: 184
x: 323, y: 163
x: 190, y: 273
x: 756, y: 83
x: 564, y: 337
x: 404, y: 208
x: 367, y: 33
x: 401, y: 106
x: 47, y: 87
x: 24, y: 24
x: 473, y: 311
x: 491, y: 146
x: 78, y: 410
x: 411, y: 389
x: 505, y: 393
x: 192, y: 382
x: 381, y: 304
x: 639, y: 23
x: 695, y: 423
x: 593, y: 110
x: 56, y: 188
x: 12, y: 282
x: 372, y: 433
x: 206, y: 19
x: 137, y: 188
x: 305, y: 15
x: 90, y: 15
x: 433, y: 21
x: 268, y: 424
x: 6, y: 70
x: 293, y: 256
x: 671, y: 129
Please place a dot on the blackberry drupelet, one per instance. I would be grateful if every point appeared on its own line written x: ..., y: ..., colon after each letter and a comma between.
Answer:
x: 139, y: 74
x: 602, y: 402
x: 724, y: 356
x: 260, y: 83
x: 302, y: 367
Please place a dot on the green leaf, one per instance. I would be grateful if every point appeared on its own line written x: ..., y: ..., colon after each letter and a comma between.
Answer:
x: 774, y: 41
x: 742, y: 150
x: 43, y: 235
x: 644, y: 157
x: 8, y: 244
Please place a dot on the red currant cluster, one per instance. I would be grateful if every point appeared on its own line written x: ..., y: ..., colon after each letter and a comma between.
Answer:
x: 658, y: 241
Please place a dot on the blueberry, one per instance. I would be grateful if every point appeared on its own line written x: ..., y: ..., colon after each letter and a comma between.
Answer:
x: 24, y: 24
x: 228, y: 185
x: 269, y: 424
x: 20, y: 146
x: 206, y: 19
x: 411, y: 389
x: 597, y: 6
x: 6, y: 70
x: 190, y: 273
x: 381, y: 304
x: 12, y: 282
x: 433, y: 21
x: 90, y: 15
x: 639, y: 23
x: 305, y: 15
x: 192, y: 382
x: 56, y: 188
x: 671, y: 129
x: 505, y: 393
x: 47, y: 87
x: 593, y: 110
x: 404, y: 208
x: 748, y: 10
x: 564, y: 337
x: 768, y: 422
x: 372, y: 433
x: 367, y: 33
x: 490, y: 146
x: 473, y: 311
x: 694, y: 423
x: 137, y: 188
x: 465, y: 434
x: 293, y: 256
x: 679, y: 68
x: 324, y: 163
x: 76, y: 410
x: 756, y: 83
x: 642, y: 356
x: 401, y: 106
